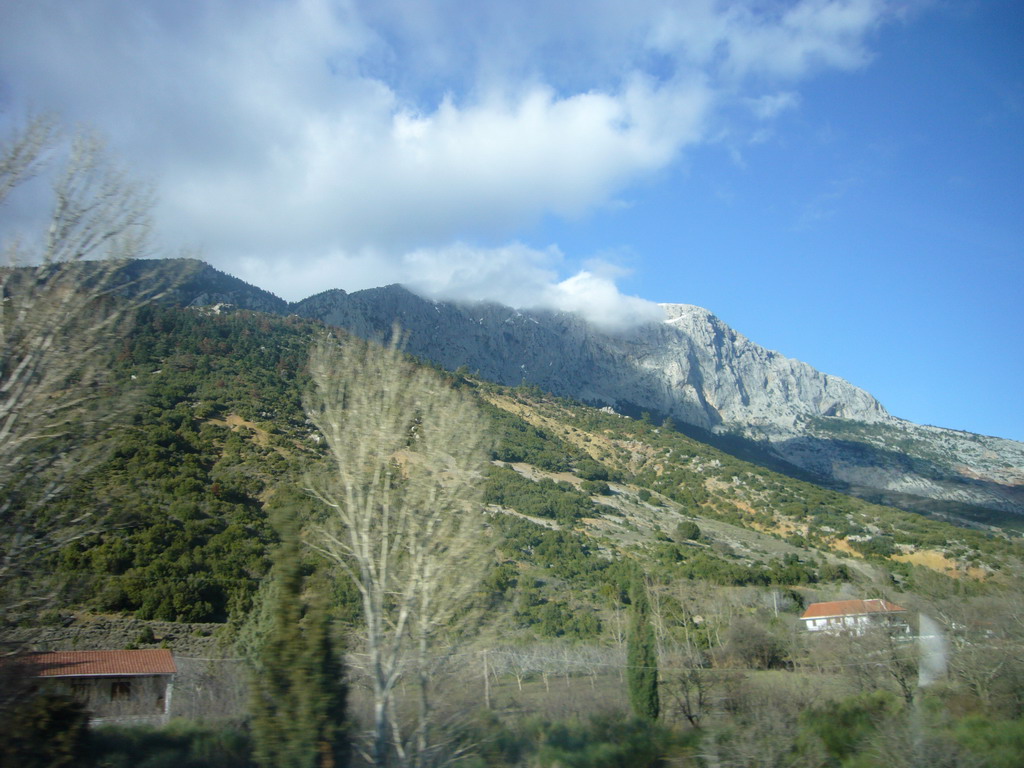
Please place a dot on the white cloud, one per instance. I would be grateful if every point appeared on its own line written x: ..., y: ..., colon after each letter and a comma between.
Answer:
x: 770, y: 105
x: 807, y: 35
x: 772, y: 40
x: 346, y: 139
x: 598, y: 299
x: 297, y: 276
x: 525, y: 278
x: 514, y: 274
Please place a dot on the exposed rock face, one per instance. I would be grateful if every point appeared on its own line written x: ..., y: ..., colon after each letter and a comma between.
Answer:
x: 692, y: 367
x: 700, y: 372
x: 887, y: 460
x: 742, y: 384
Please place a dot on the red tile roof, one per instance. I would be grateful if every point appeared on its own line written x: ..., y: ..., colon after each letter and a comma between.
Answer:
x: 157, y: 661
x: 850, y: 608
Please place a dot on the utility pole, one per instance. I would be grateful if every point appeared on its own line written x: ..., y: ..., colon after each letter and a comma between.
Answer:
x: 487, y: 683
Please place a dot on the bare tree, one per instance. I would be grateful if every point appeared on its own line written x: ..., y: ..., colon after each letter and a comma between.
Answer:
x: 61, y: 305
x: 691, y: 683
x: 512, y: 660
x: 23, y: 154
x: 404, y: 515
x: 986, y: 652
x: 895, y: 656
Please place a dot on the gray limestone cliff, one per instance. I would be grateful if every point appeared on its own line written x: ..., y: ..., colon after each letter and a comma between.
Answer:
x: 697, y: 370
x: 689, y: 366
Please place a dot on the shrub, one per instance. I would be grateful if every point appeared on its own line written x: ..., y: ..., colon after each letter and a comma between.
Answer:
x: 687, y: 530
x: 46, y: 731
x: 180, y: 744
x: 596, y: 488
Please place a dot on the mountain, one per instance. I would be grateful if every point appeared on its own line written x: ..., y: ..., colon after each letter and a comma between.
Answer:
x: 690, y: 367
x: 177, y: 519
x: 219, y: 445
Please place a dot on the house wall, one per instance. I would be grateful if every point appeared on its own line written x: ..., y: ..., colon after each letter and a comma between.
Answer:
x: 118, y: 699
x: 858, y: 624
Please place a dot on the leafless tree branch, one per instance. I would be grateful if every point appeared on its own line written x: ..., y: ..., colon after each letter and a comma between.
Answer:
x: 403, y: 515
x: 64, y: 300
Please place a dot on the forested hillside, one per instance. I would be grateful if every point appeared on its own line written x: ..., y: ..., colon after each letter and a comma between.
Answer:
x: 218, y: 437
x: 582, y: 506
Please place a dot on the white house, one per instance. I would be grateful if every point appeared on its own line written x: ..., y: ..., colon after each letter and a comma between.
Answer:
x: 855, y: 616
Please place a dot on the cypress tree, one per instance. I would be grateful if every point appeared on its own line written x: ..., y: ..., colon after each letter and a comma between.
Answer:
x: 299, y: 694
x: 642, y: 657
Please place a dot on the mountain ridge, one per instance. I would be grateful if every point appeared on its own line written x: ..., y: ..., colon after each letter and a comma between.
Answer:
x: 690, y: 367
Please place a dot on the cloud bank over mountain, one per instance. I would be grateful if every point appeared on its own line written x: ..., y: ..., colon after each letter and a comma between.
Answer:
x: 314, y: 143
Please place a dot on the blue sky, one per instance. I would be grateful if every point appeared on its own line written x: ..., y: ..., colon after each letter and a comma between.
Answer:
x: 839, y: 180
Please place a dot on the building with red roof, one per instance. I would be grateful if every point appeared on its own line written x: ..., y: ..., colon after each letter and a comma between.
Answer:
x: 116, y: 686
x: 855, y: 616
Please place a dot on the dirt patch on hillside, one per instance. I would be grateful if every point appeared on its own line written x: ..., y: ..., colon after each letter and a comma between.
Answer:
x: 531, y: 472
x: 494, y: 509
x: 937, y: 561
x: 236, y: 423
x: 597, y: 445
x: 842, y: 545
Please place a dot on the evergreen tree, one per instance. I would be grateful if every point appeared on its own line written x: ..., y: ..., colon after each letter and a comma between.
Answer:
x: 298, y: 705
x: 642, y: 657
x: 46, y: 731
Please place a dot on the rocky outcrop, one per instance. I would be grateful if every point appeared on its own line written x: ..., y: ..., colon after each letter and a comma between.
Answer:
x: 741, y: 384
x: 699, y: 371
x: 691, y: 367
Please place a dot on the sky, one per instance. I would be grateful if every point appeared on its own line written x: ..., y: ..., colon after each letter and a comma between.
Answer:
x: 839, y: 180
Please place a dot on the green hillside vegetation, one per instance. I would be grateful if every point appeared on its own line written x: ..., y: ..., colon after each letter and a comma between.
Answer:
x: 705, y: 482
x: 583, y: 505
x: 219, y: 436
x: 218, y: 430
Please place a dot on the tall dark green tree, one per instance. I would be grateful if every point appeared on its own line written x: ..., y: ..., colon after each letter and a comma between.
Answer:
x: 47, y: 731
x: 298, y: 713
x: 642, y: 657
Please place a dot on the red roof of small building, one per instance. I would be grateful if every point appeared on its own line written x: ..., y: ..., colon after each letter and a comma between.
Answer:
x: 850, y: 608
x: 157, y: 661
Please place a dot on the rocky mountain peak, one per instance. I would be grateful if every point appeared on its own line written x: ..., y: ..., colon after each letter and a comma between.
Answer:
x: 691, y: 367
